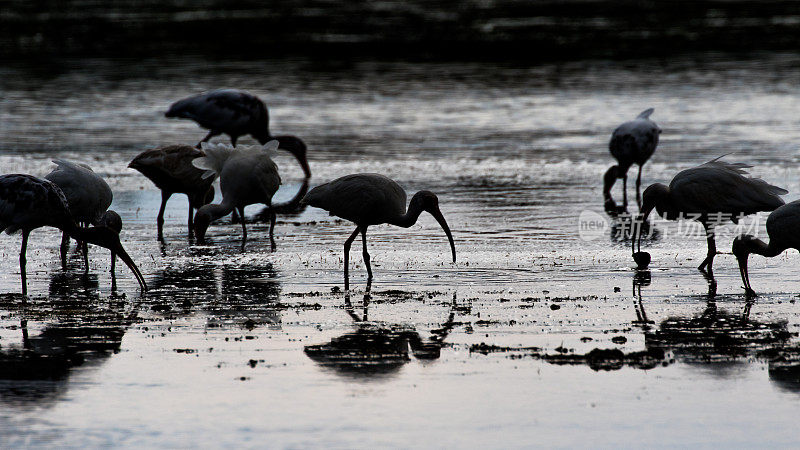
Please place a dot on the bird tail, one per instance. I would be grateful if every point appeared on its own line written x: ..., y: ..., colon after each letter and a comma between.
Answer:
x: 646, y: 113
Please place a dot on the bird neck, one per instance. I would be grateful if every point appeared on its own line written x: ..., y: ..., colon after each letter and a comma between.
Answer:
x: 216, y: 211
x: 760, y: 247
x: 409, y: 218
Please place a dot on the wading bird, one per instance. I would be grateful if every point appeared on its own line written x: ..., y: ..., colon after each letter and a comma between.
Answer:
x: 170, y: 169
x: 28, y: 202
x: 89, y: 197
x: 631, y: 143
x: 235, y: 113
x: 782, y: 227
x: 371, y: 199
x: 246, y: 176
x: 712, y: 194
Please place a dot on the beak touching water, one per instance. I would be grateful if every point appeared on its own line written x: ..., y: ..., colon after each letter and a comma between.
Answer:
x: 440, y: 218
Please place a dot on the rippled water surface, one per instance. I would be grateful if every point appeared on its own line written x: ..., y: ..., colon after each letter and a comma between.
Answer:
x: 534, y: 337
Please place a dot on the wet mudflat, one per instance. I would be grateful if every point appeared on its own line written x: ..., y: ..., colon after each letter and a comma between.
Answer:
x: 536, y: 336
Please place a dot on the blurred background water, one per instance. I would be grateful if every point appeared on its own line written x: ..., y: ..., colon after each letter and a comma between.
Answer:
x: 504, y: 109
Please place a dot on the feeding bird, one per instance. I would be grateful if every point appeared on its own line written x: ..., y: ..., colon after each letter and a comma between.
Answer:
x: 712, y: 194
x: 170, y: 169
x: 633, y: 142
x: 246, y: 176
x: 28, y: 202
x: 371, y: 199
x: 89, y: 197
x: 782, y: 227
x: 235, y: 113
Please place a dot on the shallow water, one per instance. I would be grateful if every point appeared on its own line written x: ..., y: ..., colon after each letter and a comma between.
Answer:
x: 262, y: 349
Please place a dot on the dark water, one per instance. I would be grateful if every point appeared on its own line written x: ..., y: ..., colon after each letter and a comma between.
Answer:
x: 535, y: 337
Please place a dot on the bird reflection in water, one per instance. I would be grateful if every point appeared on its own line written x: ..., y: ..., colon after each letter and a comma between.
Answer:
x: 377, y: 348
x: 229, y: 294
x: 720, y: 341
x: 36, y: 371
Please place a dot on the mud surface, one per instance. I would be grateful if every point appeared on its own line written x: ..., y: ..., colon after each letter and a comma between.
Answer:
x: 534, y: 337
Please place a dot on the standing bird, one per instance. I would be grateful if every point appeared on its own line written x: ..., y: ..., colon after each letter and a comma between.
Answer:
x: 170, y: 169
x: 782, y: 227
x: 89, y: 197
x: 27, y: 203
x: 246, y: 176
x: 631, y: 143
x: 371, y: 199
x: 235, y: 113
x: 712, y: 193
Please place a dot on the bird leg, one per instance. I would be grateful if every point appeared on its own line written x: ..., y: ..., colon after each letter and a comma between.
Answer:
x: 244, y: 227
x: 365, y: 254
x: 22, y: 262
x: 272, y: 219
x: 208, y: 137
x: 638, y: 187
x: 191, y: 219
x: 712, y: 251
x: 625, y: 192
x: 347, y: 245
x: 64, y: 250
x: 160, y: 219
x: 85, y: 248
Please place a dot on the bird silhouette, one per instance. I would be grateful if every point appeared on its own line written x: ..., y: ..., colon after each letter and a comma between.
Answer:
x: 28, y: 202
x: 246, y: 176
x: 712, y: 194
x: 89, y: 197
x: 782, y: 227
x: 235, y: 113
x: 633, y: 142
x: 372, y: 199
x: 170, y: 169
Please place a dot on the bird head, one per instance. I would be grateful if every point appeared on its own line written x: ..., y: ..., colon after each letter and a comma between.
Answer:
x: 111, y: 219
x: 107, y: 237
x: 297, y: 148
x: 428, y: 201
x: 655, y: 196
x: 201, y: 222
x: 741, y: 249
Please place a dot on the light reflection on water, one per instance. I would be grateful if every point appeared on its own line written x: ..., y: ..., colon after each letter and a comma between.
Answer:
x: 515, y: 154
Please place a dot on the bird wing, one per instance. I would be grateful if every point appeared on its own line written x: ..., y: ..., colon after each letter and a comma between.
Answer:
x: 365, y: 199
x: 223, y: 109
x: 718, y: 186
x: 646, y: 113
x: 249, y: 177
x: 217, y: 155
x: 171, y: 168
x: 87, y: 193
x: 783, y: 223
x: 30, y: 202
x: 635, y: 141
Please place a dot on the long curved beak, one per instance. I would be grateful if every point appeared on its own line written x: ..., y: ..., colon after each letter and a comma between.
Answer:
x: 440, y: 218
x: 123, y: 255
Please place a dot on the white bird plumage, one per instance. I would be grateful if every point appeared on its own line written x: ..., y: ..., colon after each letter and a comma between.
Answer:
x: 633, y: 142
x: 89, y: 197
x: 246, y: 176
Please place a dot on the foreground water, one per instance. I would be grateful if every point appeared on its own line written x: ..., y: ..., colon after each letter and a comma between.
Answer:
x: 536, y: 336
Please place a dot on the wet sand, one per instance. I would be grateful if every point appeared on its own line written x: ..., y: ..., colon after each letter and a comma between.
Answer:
x: 534, y: 337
